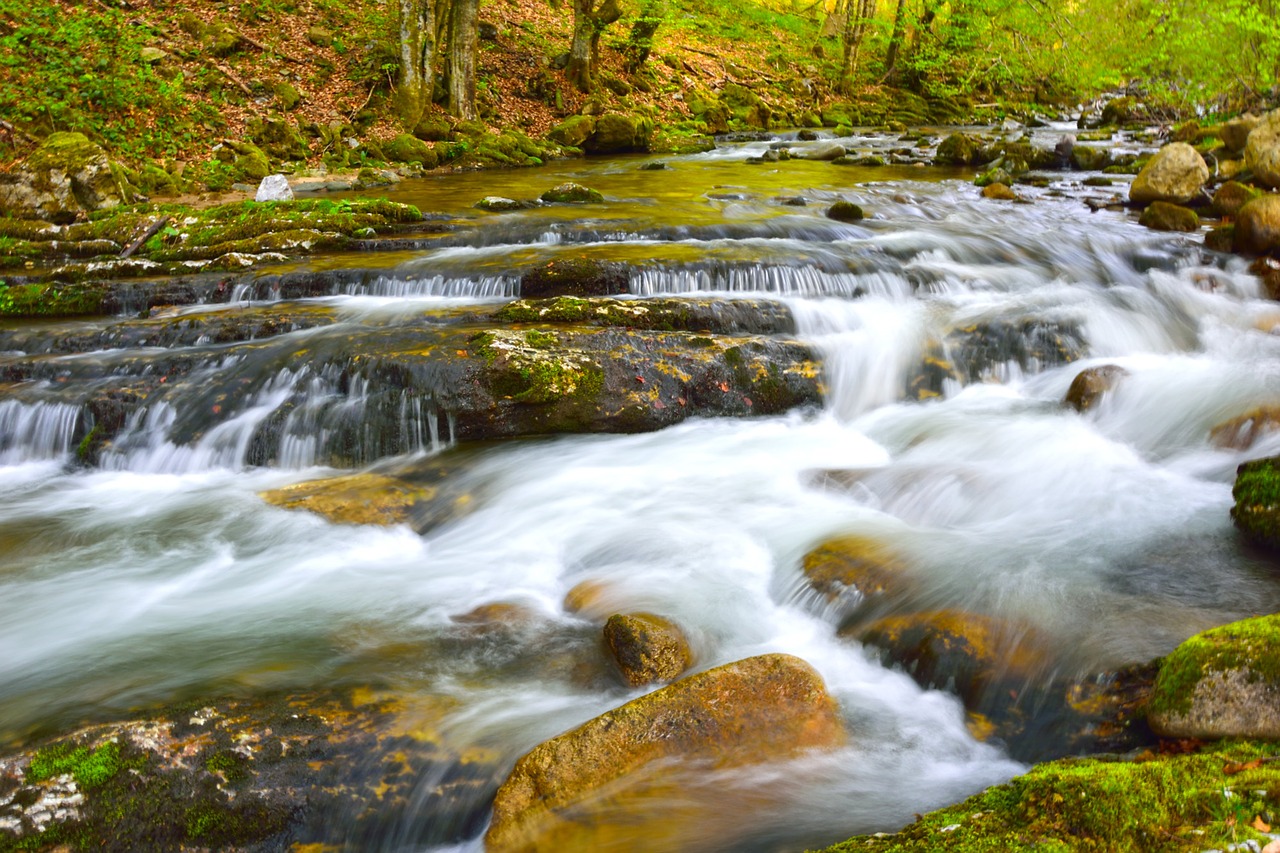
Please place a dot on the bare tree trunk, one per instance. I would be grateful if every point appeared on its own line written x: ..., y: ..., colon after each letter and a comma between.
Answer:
x: 417, y: 59
x: 579, y: 67
x: 463, y: 35
x: 606, y: 13
x: 857, y: 13
x: 895, y: 40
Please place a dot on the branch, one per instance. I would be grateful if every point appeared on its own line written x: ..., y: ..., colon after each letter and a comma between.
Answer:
x: 265, y: 49
x: 146, y: 235
x: 226, y: 72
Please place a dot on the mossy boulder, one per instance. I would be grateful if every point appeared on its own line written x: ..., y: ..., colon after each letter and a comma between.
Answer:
x: 1231, y: 196
x: 435, y: 128
x: 1163, y: 216
x: 959, y: 149
x: 1242, y: 432
x: 1235, y: 133
x: 67, y: 176
x: 573, y: 131
x: 1123, y: 110
x: 249, y: 163
x: 1257, y: 507
x: 755, y: 710
x: 1091, y: 383
x: 1175, y: 174
x: 647, y: 648
x: 279, y: 138
x: 617, y: 134
x: 1262, y: 150
x: 1258, y: 225
x: 406, y: 148
x: 846, y: 211
x: 571, y: 193
x: 575, y: 277
x: 1088, y: 158
x: 710, y: 110
x: 999, y: 192
x: 1223, y: 683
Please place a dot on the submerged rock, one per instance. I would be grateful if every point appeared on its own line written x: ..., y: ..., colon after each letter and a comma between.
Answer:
x: 1175, y: 174
x: 647, y: 648
x: 1241, y: 433
x: 1223, y: 683
x: 571, y: 193
x: 575, y: 277
x: 1090, y: 384
x: 571, y: 792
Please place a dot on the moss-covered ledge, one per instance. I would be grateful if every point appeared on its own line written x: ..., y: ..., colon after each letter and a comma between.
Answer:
x: 1257, y: 508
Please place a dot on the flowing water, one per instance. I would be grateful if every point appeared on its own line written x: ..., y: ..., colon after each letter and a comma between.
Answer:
x: 160, y: 575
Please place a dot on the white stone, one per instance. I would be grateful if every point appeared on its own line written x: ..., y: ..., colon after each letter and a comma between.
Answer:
x: 274, y: 188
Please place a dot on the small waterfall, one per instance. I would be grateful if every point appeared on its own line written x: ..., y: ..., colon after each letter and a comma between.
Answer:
x: 483, y: 287
x: 756, y: 278
x: 39, y: 430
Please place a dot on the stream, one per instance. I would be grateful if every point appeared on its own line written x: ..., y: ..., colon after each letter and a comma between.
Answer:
x: 159, y: 575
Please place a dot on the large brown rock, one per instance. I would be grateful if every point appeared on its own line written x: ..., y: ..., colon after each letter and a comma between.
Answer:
x: 1091, y: 383
x: 1258, y: 225
x: 1240, y: 433
x: 1235, y: 133
x: 570, y: 793
x: 1231, y: 196
x: 66, y: 176
x: 1262, y: 150
x: 648, y: 648
x: 1175, y: 174
x: 854, y: 570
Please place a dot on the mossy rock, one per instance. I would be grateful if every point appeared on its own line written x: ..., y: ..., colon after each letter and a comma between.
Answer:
x: 279, y: 138
x: 65, y: 177
x: 1090, y: 384
x: 1257, y: 501
x: 575, y: 277
x: 571, y: 193
x: 1123, y: 110
x: 999, y: 192
x: 647, y: 648
x: 1087, y: 158
x: 616, y: 134
x: 958, y: 149
x: 1225, y: 682
x: 287, y: 94
x: 1163, y: 216
x: 1258, y: 225
x: 1174, y: 174
x: 760, y: 709
x: 434, y: 129
x: 845, y: 211
x: 1231, y: 196
x: 406, y: 148
x: 423, y: 502
x: 251, y: 163
x: 573, y: 131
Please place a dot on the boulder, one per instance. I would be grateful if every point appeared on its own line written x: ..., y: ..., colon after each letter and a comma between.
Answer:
x: 1267, y: 270
x: 407, y: 148
x: 1257, y: 508
x: 958, y: 150
x: 1090, y: 384
x: 571, y: 193
x: 1223, y: 683
x: 1235, y: 133
x: 278, y: 138
x: 617, y: 134
x: 1088, y: 158
x: 999, y: 192
x: 575, y: 277
x: 853, y: 570
x: 1163, y: 216
x: 1175, y: 173
x: 66, y: 176
x: 647, y: 648
x: 1241, y: 433
x: 1262, y: 150
x: 1231, y: 196
x: 1258, y: 225
x: 819, y: 151
x: 497, y: 202
x: 845, y: 211
x: 274, y: 188
x: 573, y: 131
x: 569, y: 793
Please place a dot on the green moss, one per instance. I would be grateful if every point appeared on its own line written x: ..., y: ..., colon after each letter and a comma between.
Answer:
x: 541, y: 340
x: 52, y: 300
x: 1257, y: 493
x: 1248, y: 645
x: 89, y: 769
x: 1169, y: 803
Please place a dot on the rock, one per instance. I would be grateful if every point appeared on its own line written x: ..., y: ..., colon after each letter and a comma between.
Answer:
x: 1223, y: 683
x: 994, y: 175
x: 573, y: 131
x: 1231, y: 196
x: 1220, y: 238
x: 278, y: 138
x: 274, y: 188
x: 152, y: 55
x: 820, y: 151
x: 1087, y: 158
x: 1241, y: 433
x: 319, y: 36
x: 434, y: 128
x: 1175, y: 173
x: 1257, y: 508
x: 655, y: 166
x: 1163, y: 216
x: 760, y: 709
x: 647, y: 648
x: 407, y: 148
x: 958, y: 150
x: 617, y: 134
x: 571, y: 193
x: 575, y: 277
x: 287, y: 94
x: 982, y: 351
x: 1235, y: 133
x: 845, y: 211
x: 854, y: 570
x: 249, y: 163
x: 1262, y: 150
x: 1000, y: 192
x: 66, y: 176
x: 1268, y: 272
x: 497, y: 202
x: 594, y: 599
x: 1258, y: 225
x: 1090, y: 384
x: 1123, y: 110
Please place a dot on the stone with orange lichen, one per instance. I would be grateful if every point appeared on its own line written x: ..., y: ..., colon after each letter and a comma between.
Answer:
x: 854, y: 569
x: 647, y: 648
x: 575, y: 792
x: 1241, y: 433
x: 1090, y: 384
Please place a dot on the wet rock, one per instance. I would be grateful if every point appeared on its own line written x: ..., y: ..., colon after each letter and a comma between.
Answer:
x: 594, y: 599
x: 845, y: 211
x: 1088, y: 158
x: 1262, y: 150
x: 302, y: 770
x: 1223, y: 683
x: 1163, y: 216
x: 65, y: 177
x: 759, y: 709
x: 854, y: 570
x: 655, y: 166
x: 999, y: 192
x: 1258, y: 225
x: 1267, y: 270
x: 617, y: 134
x: 407, y: 148
x: 1241, y: 433
x: 575, y: 277
x: 818, y: 151
x: 1231, y: 196
x: 495, y: 202
x: 981, y: 352
x: 959, y: 150
x: 1235, y: 133
x: 571, y: 193
x: 725, y: 317
x: 647, y: 648
x: 274, y: 188
x: 1175, y: 174
x: 573, y: 131
x: 1257, y: 502
x: 1090, y: 384
x: 1220, y: 238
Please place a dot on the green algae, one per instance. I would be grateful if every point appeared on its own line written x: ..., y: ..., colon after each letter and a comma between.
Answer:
x: 1247, y: 646
x: 1257, y: 508
x: 52, y: 300
x: 90, y: 769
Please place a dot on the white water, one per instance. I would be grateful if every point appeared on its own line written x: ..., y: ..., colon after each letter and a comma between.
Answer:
x: 167, y: 577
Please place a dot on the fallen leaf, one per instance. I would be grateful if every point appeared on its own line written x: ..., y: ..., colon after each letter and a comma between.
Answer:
x: 1260, y: 824
x: 1233, y: 769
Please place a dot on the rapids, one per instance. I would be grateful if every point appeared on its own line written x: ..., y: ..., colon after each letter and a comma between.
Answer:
x: 161, y: 576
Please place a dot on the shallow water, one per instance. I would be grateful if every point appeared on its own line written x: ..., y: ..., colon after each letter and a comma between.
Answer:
x: 163, y: 576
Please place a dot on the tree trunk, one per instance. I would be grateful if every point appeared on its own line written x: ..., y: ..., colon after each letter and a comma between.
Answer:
x: 417, y: 60
x: 895, y: 40
x: 579, y: 67
x: 857, y: 12
x: 606, y: 13
x: 463, y: 36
